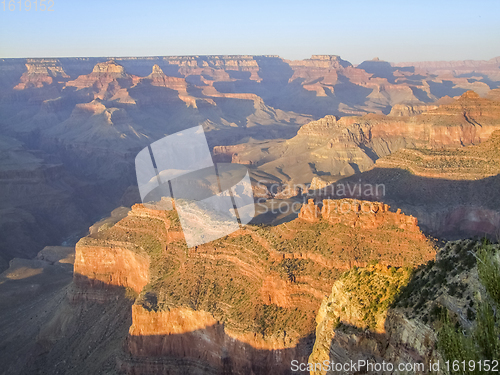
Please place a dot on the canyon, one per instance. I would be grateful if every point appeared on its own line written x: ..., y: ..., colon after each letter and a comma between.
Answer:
x: 334, y: 147
x: 452, y: 191
x: 88, y: 118
x: 124, y: 293
x: 438, y: 163
x: 377, y: 314
x: 245, y: 303
x: 137, y: 301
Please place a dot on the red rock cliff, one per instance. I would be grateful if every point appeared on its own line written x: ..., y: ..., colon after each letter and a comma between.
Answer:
x: 245, y: 303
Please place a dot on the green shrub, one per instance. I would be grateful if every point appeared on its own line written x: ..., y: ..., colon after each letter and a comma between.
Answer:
x: 489, y: 271
x: 483, y: 340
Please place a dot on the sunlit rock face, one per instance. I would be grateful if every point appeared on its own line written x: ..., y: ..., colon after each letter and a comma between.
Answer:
x: 245, y: 302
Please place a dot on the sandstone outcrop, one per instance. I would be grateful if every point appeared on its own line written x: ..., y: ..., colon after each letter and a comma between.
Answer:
x: 339, y: 147
x: 354, y: 213
x: 108, y: 81
x: 310, y: 212
x: 410, y: 109
x: 240, y: 302
x: 158, y: 78
x: 451, y: 191
x: 377, y: 314
x: 468, y: 163
x: 110, y: 264
x: 41, y: 72
x: 104, y: 261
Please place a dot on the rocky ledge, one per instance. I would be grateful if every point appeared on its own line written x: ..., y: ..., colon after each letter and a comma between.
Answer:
x: 246, y: 302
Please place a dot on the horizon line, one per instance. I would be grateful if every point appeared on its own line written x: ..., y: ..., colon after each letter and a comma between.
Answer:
x: 236, y: 56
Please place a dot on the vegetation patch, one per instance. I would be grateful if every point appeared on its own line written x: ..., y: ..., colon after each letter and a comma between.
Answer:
x: 480, y: 343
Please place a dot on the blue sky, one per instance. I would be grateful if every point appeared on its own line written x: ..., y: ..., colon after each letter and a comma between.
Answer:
x: 357, y: 31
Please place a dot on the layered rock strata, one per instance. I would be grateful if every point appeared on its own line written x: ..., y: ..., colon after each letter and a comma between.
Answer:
x: 246, y: 302
x: 379, y: 314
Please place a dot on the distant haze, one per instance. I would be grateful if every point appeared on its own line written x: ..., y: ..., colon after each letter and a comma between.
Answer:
x: 357, y: 31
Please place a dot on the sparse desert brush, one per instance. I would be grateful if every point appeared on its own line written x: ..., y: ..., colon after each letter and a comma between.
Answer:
x: 482, y: 341
x: 489, y: 271
x: 373, y: 289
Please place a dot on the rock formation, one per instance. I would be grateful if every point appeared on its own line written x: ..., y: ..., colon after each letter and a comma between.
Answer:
x: 93, y: 114
x: 360, y: 214
x: 108, y: 81
x: 338, y: 147
x: 245, y: 303
x: 377, y: 314
x: 239, y: 302
x: 41, y: 72
x: 468, y: 163
x: 452, y: 191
